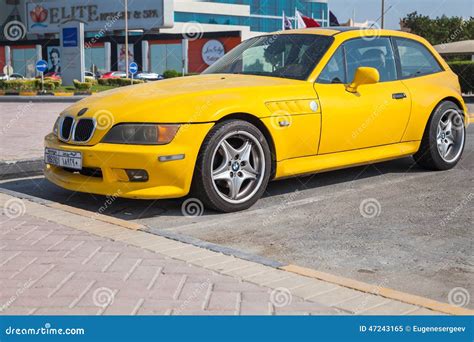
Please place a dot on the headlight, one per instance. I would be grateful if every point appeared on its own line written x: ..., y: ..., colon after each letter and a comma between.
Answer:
x: 141, y: 134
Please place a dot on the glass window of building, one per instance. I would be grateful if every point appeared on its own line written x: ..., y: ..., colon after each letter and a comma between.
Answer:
x: 166, y: 57
x: 23, y: 61
x: 94, y: 59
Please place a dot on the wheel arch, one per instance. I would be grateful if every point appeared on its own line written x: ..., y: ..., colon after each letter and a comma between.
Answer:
x: 456, y: 101
x: 451, y: 98
x: 261, y: 126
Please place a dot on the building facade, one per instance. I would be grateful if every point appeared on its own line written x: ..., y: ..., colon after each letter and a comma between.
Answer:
x: 183, y: 35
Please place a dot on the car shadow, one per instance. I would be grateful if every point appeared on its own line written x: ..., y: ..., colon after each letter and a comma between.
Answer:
x: 134, y: 209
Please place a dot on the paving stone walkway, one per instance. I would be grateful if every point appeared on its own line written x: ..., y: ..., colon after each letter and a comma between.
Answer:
x: 57, y: 262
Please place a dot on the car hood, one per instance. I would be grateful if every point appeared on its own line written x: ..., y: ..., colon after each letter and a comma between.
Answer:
x: 200, y: 98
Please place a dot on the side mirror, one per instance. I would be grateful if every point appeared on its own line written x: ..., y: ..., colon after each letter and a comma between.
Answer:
x: 363, y: 75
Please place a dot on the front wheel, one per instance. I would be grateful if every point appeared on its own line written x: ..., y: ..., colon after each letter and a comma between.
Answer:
x: 233, y: 167
x: 444, y: 138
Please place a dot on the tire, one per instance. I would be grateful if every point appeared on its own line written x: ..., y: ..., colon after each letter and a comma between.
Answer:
x: 233, y: 167
x: 432, y: 155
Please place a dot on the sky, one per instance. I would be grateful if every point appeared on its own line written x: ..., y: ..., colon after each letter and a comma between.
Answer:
x: 371, y: 9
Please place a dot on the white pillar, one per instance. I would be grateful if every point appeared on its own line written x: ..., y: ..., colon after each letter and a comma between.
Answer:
x: 145, y: 56
x: 108, y: 56
x: 39, y: 56
x: 8, y: 55
x: 185, y: 47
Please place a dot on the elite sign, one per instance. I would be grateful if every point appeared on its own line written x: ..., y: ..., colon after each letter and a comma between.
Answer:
x: 48, y: 16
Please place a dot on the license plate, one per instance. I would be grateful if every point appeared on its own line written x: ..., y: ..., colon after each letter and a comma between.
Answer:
x: 69, y: 159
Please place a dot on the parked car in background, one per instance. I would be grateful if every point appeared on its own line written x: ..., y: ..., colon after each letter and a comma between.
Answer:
x: 149, y: 76
x: 52, y: 75
x: 4, y: 77
x: 89, y: 75
x: 16, y: 77
x: 114, y: 74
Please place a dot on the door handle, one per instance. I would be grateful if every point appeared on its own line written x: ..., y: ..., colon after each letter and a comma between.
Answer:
x: 399, y: 96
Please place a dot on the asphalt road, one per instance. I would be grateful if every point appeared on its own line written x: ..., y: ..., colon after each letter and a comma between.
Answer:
x: 420, y: 239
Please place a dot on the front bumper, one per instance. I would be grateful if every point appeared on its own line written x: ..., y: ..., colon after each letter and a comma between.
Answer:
x: 169, y: 179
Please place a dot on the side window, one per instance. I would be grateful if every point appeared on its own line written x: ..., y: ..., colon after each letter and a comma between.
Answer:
x: 375, y: 53
x: 335, y: 70
x: 415, y: 59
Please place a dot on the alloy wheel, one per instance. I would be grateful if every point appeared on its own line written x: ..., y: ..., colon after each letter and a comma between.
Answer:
x: 237, y: 167
x: 450, y: 135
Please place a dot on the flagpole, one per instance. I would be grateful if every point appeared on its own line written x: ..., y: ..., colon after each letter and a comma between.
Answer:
x: 296, y: 19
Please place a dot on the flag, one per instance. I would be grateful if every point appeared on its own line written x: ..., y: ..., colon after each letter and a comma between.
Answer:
x: 286, y: 23
x: 333, y: 19
x: 304, y: 21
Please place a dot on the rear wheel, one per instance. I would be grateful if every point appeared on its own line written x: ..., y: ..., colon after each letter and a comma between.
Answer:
x: 233, y: 167
x: 444, y: 138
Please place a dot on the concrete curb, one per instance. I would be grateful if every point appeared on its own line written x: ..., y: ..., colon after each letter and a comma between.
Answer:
x: 380, y: 291
x: 136, y: 235
x: 214, y: 247
x: 468, y: 98
x: 21, y: 168
x: 41, y: 98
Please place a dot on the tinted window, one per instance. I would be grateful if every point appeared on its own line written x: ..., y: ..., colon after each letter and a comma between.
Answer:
x: 335, y: 70
x: 285, y: 55
x: 415, y: 59
x: 375, y: 53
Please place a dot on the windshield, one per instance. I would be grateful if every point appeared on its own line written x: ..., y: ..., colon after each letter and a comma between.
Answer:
x: 280, y: 55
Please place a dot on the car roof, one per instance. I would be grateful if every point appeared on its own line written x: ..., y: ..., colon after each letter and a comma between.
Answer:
x: 350, y: 31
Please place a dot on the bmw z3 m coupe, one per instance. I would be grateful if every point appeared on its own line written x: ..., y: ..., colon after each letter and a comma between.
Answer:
x: 279, y: 105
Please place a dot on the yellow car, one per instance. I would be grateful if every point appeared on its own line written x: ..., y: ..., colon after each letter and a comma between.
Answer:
x: 278, y: 105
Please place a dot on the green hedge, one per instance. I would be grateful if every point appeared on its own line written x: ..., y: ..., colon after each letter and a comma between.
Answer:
x: 57, y: 82
x: 171, y: 74
x: 29, y: 85
x: 20, y: 85
x: 465, y: 71
x: 118, y: 82
x: 90, y: 80
x: 84, y: 86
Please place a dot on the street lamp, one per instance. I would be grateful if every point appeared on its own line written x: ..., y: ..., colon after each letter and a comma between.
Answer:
x: 383, y: 14
x: 126, y: 38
